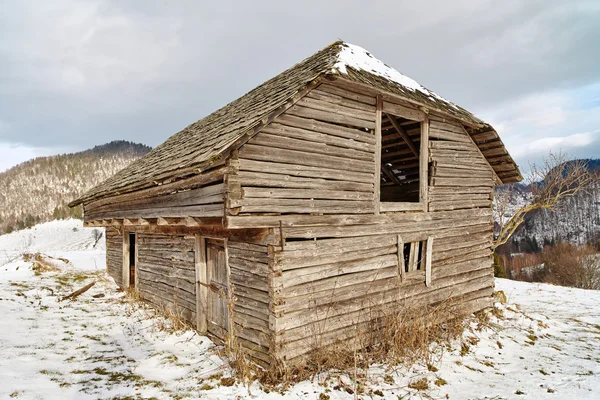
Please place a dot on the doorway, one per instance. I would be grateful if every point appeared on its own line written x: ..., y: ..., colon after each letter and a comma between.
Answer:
x: 132, y: 258
x: 129, y: 276
x: 218, y: 288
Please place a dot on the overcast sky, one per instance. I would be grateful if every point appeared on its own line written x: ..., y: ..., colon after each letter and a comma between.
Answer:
x: 77, y: 73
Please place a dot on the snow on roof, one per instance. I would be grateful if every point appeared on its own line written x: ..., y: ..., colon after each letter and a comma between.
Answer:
x: 360, y: 59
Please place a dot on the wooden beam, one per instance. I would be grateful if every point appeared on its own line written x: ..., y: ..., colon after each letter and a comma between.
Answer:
x: 428, y: 257
x: 377, y: 180
x: 161, y: 221
x: 201, y: 284
x: 403, y: 135
x: 424, y: 164
x: 189, y: 221
x: 389, y: 174
x: 401, y: 265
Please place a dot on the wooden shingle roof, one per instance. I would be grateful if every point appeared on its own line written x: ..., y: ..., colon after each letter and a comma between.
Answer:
x: 203, y: 143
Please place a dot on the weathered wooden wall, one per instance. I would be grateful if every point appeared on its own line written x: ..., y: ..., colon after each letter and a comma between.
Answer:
x: 199, y: 196
x: 248, y: 265
x: 114, y: 254
x: 330, y: 276
x: 166, y: 272
x: 315, y: 158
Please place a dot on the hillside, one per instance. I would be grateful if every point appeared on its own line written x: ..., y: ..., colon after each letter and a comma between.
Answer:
x: 541, y: 344
x: 40, y: 189
x: 575, y: 220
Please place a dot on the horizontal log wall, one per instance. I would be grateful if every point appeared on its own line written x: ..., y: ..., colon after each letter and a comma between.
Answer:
x: 166, y: 272
x: 114, y: 254
x: 318, y: 157
x: 340, y: 276
x: 248, y: 266
x: 200, y: 196
x: 460, y: 176
x: 334, y: 274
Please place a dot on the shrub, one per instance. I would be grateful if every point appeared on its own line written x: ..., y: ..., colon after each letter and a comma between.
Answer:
x: 499, y: 271
x: 569, y: 265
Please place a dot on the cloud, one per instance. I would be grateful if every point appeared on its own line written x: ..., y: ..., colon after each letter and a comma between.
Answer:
x: 563, y: 120
x: 567, y: 144
x: 80, y: 73
x: 12, y: 154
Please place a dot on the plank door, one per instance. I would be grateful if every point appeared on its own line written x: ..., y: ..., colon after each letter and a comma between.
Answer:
x: 218, y: 293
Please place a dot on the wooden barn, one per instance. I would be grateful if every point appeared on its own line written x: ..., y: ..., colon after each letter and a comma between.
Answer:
x: 292, y: 215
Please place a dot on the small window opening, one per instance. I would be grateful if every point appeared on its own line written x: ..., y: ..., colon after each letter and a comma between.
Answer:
x: 400, y: 154
x: 414, y: 256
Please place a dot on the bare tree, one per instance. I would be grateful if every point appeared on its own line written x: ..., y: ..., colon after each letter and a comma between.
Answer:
x: 550, y: 182
x: 97, y: 235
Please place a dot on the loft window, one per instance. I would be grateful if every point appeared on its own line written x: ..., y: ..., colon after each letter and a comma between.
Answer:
x: 403, y: 174
x: 400, y: 154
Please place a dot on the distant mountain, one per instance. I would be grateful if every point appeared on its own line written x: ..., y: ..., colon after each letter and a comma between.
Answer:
x: 575, y: 220
x: 40, y: 189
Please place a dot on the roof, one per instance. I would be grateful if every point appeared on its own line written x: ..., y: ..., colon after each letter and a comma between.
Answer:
x: 201, y: 143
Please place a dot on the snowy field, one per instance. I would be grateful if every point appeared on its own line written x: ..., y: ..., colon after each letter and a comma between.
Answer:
x: 545, y: 346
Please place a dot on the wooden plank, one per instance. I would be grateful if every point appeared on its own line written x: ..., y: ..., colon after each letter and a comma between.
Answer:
x: 328, y: 116
x: 445, y: 135
x: 320, y: 94
x: 400, y: 256
x: 459, y: 204
x: 461, y: 173
x: 318, y: 137
x: 279, y: 193
x: 339, y: 107
x: 265, y: 153
x: 307, y: 275
x: 349, y: 94
x: 283, y: 262
x: 398, y: 207
x: 201, y: 284
x: 312, y: 125
x: 305, y: 171
x: 424, y: 163
x: 350, y: 219
x: 435, y: 181
x: 125, y: 265
x: 428, y: 260
x: 403, y: 111
x: 270, y: 138
x: 377, y: 175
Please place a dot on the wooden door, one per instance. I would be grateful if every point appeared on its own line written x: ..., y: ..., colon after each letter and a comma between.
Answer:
x: 218, y: 293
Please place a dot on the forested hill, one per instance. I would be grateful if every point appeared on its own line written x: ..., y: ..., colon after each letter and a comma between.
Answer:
x: 575, y: 220
x: 40, y: 189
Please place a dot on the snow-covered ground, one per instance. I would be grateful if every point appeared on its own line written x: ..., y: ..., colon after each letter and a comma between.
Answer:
x: 545, y: 345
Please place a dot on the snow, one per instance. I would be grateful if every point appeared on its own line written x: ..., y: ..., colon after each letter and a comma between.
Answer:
x: 543, y: 346
x: 360, y: 59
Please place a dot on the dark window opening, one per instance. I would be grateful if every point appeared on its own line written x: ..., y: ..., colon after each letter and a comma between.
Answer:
x: 400, y: 153
x: 414, y: 256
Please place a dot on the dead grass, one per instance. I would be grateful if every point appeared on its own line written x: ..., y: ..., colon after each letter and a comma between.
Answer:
x: 164, y: 319
x: 42, y: 263
x: 412, y: 336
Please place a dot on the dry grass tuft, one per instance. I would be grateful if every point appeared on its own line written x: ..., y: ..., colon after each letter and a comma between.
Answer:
x: 42, y: 263
x: 164, y: 319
